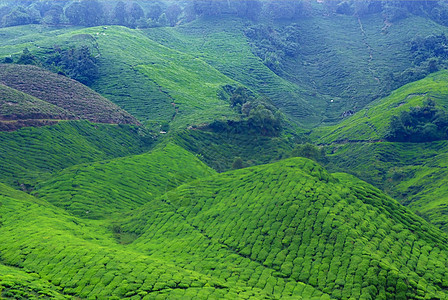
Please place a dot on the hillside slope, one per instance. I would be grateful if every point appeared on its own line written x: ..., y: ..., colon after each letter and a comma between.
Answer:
x: 221, y: 43
x: 414, y: 173
x: 18, y: 109
x: 100, y: 189
x: 371, y: 122
x: 30, y: 155
x: 63, y: 92
x: 290, y: 223
x: 82, y: 261
x: 150, y: 81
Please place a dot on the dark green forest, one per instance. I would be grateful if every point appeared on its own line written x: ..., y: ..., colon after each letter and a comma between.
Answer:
x: 223, y: 149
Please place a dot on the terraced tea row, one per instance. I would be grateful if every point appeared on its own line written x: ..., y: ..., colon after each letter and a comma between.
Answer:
x: 371, y: 123
x: 219, y: 150
x: 414, y: 173
x: 80, y: 260
x: 100, y: 189
x: 335, y: 233
x: 30, y: 155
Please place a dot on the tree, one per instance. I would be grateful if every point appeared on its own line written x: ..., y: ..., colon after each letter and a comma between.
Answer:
x: 76, y: 63
x: 136, y: 11
x: 18, y: 16
x: 237, y: 163
x: 172, y: 13
x: 309, y: 151
x: 419, y: 124
x: 154, y: 11
x: 73, y: 13
x: 27, y: 58
x: 163, y: 20
x: 86, y: 13
x: 119, y: 14
x: 263, y: 119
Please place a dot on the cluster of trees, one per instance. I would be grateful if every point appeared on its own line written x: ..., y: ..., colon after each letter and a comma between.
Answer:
x: 256, y: 115
x: 252, y: 9
x: 90, y: 13
x: 21, y: 12
x: 419, y: 124
x: 431, y: 50
x: 272, y: 45
x: 310, y: 151
x: 169, y: 13
x: 392, y: 10
x: 78, y: 63
x: 429, y: 55
x: 157, y: 14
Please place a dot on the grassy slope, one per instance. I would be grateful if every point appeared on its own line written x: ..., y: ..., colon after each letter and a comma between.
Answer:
x: 190, y: 84
x: 82, y: 260
x: 100, y: 189
x: 64, y: 93
x: 350, y: 61
x: 17, y: 105
x: 221, y: 43
x: 18, y: 284
x: 371, y: 122
x: 32, y: 154
x: 15, y: 39
x: 415, y: 174
x: 294, y: 230
x: 339, y: 59
x: 285, y: 230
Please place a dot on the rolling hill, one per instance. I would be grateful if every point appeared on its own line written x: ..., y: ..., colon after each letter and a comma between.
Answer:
x: 18, y: 109
x: 413, y: 173
x: 371, y: 123
x: 30, y: 155
x: 65, y: 93
x: 101, y: 189
x: 81, y: 260
x: 291, y: 223
x: 284, y: 230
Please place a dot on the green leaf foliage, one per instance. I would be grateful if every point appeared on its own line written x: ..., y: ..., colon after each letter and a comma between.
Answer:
x: 218, y: 150
x: 32, y: 154
x: 100, y: 189
x: 80, y: 259
x: 372, y: 122
x: 414, y: 173
x: 301, y: 225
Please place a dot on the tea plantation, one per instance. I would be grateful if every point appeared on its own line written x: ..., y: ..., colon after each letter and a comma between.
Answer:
x: 97, y: 190
x: 285, y: 230
x: 31, y: 154
x: 223, y: 149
